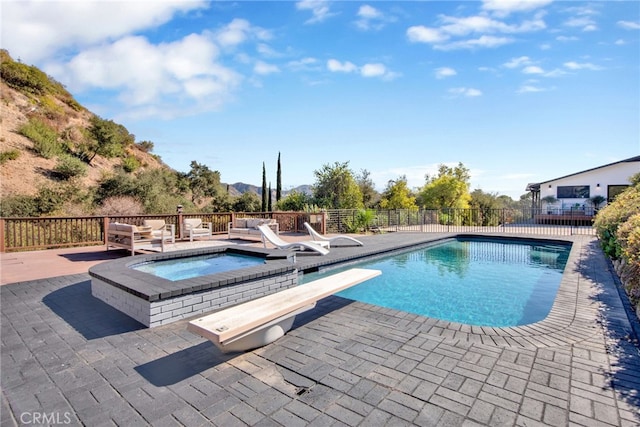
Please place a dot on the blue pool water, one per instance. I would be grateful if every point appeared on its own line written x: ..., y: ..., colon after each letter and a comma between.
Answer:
x: 187, y: 268
x: 476, y: 282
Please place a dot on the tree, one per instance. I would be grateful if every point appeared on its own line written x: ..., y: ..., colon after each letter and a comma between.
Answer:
x: 336, y: 188
x: 264, y: 189
x: 203, y: 182
x: 247, y: 202
x: 109, y: 138
x: 279, y: 181
x: 397, y: 195
x: 294, y: 201
x: 449, y: 189
x: 367, y: 188
x: 269, y: 207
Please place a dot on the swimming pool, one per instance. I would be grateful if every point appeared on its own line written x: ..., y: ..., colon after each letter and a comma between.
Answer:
x: 484, y: 282
x: 196, y: 266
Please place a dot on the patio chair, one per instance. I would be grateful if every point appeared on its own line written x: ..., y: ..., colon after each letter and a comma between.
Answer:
x: 194, y: 227
x: 269, y: 235
x: 319, y: 237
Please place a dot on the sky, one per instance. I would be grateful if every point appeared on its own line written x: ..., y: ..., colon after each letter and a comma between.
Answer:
x: 518, y: 91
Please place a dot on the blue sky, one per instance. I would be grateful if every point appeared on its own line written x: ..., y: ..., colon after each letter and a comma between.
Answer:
x: 518, y: 91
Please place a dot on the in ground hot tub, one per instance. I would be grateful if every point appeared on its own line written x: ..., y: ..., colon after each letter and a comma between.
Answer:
x: 153, y: 300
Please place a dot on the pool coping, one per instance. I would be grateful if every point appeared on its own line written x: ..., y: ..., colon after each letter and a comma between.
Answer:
x: 567, y: 322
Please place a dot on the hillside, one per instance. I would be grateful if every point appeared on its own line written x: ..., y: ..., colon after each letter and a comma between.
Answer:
x: 61, y: 130
x: 30, y: 171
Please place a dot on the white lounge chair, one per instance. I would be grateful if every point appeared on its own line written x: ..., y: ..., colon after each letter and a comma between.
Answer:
x: 194, y: 227
x: 269, y: 235
x: 319, y: 237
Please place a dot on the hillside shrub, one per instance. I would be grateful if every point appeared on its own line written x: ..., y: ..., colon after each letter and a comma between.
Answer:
x: 146, y: 146
x: 120, y: 205
x: 69, y: 167
x: 130, y: 164
x: 44, y: 138
x: 18, y: 206
x: 5, y: 156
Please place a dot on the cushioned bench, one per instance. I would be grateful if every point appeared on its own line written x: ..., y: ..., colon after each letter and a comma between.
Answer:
x: 261, y: 321
x: 249, y: 226
x: 133, y: 238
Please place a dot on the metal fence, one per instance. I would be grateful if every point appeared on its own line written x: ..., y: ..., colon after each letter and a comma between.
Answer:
x: 525, y: 221
x: 54, y: 232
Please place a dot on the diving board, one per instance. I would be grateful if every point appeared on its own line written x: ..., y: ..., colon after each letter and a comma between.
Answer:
x: 261, y: 321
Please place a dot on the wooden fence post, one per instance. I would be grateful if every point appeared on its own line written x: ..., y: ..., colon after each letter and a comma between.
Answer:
x: 105, y: 230
x: 2, y: 244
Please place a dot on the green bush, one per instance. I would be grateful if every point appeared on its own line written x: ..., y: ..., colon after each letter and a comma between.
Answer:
x: 69, y: 167
x: 130, y: 164
x: 146, y: 146
x: 362, y: 221
x: 19, y: 206
x: 5, y: 156
x: 45, y: 139
x: 613, y: 216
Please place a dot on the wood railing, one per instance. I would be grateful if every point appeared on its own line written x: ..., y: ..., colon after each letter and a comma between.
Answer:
x: 25, y: 234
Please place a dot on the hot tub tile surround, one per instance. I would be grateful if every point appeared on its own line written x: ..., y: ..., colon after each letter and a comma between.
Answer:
x: 155, y: 301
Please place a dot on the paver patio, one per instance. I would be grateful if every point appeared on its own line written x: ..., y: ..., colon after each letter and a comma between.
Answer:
x: 68, y: 358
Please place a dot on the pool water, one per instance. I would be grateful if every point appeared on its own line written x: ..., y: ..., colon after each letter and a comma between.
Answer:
x: 476, y: 282
x: 187, y: 268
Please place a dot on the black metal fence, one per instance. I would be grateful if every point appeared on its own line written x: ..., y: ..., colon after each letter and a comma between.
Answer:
x: 526, y: 221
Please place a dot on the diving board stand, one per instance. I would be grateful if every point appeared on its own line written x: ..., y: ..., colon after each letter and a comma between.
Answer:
x: 261, y: 321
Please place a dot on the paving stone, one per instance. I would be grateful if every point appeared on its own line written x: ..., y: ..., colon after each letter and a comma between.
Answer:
x: 343, y: 364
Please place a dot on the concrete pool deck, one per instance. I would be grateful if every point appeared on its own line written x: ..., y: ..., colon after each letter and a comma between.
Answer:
x: 68, y: 356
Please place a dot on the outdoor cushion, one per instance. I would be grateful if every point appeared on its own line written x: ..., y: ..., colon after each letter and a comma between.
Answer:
x: 155, y: 224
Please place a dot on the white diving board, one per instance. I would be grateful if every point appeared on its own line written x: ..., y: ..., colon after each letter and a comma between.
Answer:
x: 261, y: 321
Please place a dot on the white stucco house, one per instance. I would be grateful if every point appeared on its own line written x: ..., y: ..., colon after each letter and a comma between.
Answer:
x: 574, y: 194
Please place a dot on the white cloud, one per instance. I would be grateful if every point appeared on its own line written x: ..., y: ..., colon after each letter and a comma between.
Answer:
x: 36, y: 30
x: 370, y: 18
x: 629, y: 25
x: 373, y: 70
x: 239, y: 31
x: 444, y: 72
x: 367, y: 70
x: 529, y: 89
x: 334, y: 65
x: 304, y: 64
x: 168, y: 79
x: 482, y: 42
x: 422, y: 34
x: 506, y: 7
x: 319, y: 9
x: 585, y: 22
x: 532, y: 69
x: 481, y: 24
x: 464, y: 91
x: 517, y: 62
x: 567, y: 38
x: 582, y: 66
x: 263, y: 68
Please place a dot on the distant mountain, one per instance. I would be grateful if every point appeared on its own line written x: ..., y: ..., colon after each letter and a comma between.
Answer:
x: 240, y: 188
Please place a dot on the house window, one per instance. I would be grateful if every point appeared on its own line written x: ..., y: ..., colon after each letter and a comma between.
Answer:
x: 573, y: 192
x: 614, y: 190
